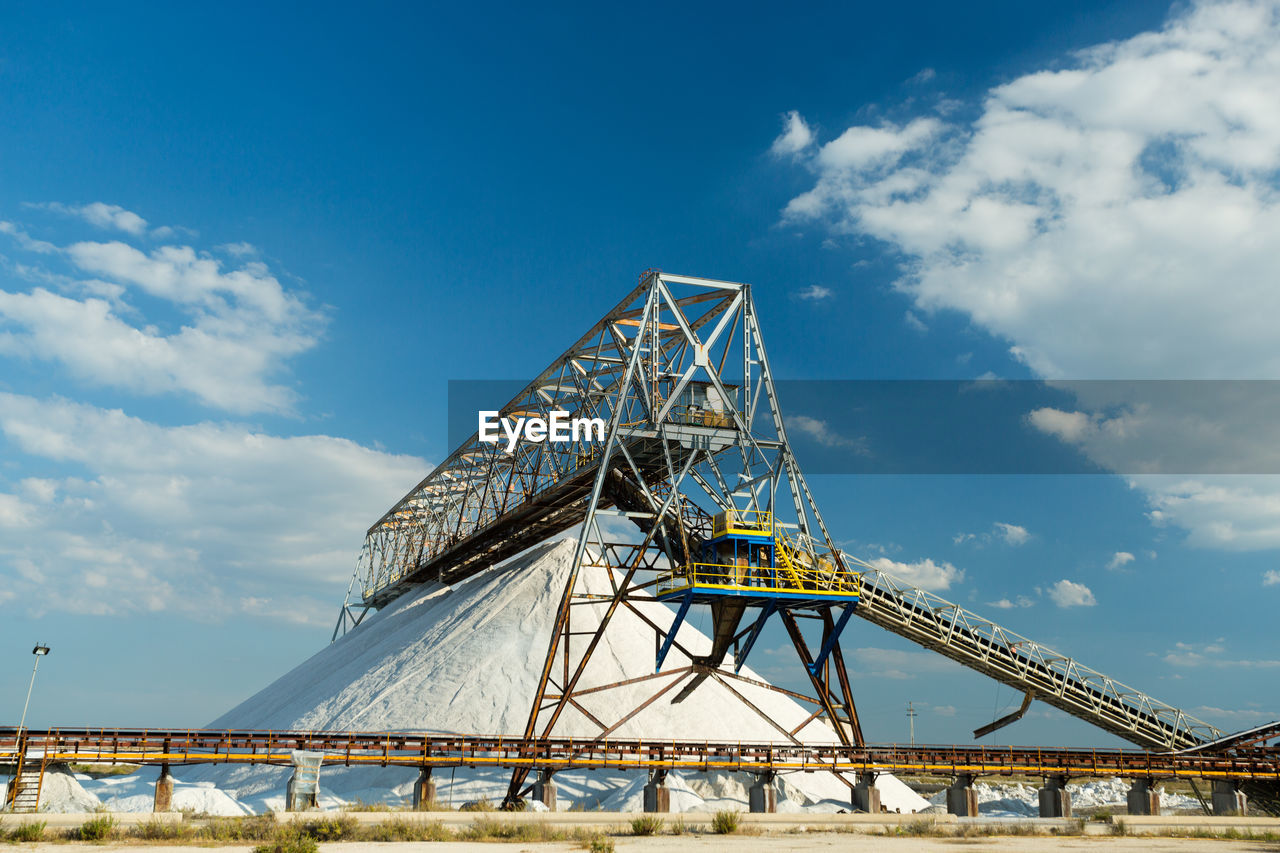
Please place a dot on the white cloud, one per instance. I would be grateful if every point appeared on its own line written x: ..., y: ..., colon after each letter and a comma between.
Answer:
x: 925, y: 573
x: 1006, y: 604
x: 924, y: 75
x: 1117, y: 216
x: 1233, y: 513
x: 821, y: 432
x: 1119, y: 560
x: 913, y: 320
x: 814, y: 293
x: 1099, y: 216
x: 200, y: 518
x: 795, y: 137
x: 236, y: 326
x: 106, y: 216
x: 1067, y: 593
x: 1010, y: 534
x: 1211, y: 654
x: 1271, y: 578
x: 896, y: 663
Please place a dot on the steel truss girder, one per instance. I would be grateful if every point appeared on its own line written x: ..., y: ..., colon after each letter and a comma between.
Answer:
x: 481, y: 505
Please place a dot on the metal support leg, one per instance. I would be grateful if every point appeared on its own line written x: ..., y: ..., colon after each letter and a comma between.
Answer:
x: 544, y: 790
x: 657, y: 797
x: 675, y: 626
x: 424, y: 790
x: 866, y: 796
x: 832, y: 638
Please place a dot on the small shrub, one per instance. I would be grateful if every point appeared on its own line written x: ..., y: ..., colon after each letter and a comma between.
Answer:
x: 162, y: 830
x: 919, y: 827
x: 400, y: 829
x: 600, y: 844
x: 678, y: 826
x: 257, y: 828
x: 646, y: 825
x: 1118, y: 828
x: 97, y: 829
x: 28, y: 830
x: 477, y: 806
x: 331, y: 828
x: 1102, y: 816
x: 289, y: 839
x: 725, y: 823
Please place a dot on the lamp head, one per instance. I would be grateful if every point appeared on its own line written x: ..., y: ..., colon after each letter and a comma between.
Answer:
x: 40, y: 650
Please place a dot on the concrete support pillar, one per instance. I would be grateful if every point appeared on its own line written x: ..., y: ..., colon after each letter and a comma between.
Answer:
x: 164, y: 791
x: 1054, y: 799
x: 1228, y: 799
x: 962, y: 799
x: 424, y: 790
x: 1143, y: 797
x: 763, y: 796
x: 866, y: 796
x: 544, y: 790
x: 657, y: 797
x: 303, y: 790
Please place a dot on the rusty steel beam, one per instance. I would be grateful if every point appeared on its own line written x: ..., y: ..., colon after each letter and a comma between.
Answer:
x: 413, y: 749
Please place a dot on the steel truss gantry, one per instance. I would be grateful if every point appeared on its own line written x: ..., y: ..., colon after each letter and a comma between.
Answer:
x: 679, y: 372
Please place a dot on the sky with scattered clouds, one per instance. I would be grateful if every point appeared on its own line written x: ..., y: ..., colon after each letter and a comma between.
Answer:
x: 237, y: 275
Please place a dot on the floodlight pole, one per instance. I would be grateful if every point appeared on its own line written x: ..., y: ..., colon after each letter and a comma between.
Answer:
x: 39, y: 651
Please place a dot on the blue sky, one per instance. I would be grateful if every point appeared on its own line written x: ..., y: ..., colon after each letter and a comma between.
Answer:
x: 245, y: 250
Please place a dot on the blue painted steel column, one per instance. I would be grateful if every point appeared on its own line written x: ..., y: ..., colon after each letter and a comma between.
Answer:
x: 675, y: 626
x: 831, y: 641
x: 755, y: 633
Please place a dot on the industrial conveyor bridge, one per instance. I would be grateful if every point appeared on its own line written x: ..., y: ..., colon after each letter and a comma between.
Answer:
x: 416, y: 749
x: 696, y: 442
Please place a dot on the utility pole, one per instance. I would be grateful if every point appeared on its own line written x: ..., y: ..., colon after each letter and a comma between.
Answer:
x: 911, y: 716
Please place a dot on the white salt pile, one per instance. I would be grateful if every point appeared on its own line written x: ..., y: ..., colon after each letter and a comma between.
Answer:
x: 466, y: 659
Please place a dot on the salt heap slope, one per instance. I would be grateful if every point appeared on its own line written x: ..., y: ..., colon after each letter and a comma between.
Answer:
x: 466, y: 659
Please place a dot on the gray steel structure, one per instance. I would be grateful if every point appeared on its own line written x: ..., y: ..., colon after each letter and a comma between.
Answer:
x: 679, y: 372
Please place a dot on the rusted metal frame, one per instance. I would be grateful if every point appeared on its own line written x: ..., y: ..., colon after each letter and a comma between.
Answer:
x: 590, y: 716
x: 824, y: 693
x: 727, y: 686
x: 605, y: 619
x: 809, y: 719
x: 846, y: 689
x: 645, y: 704
x: 754, y: 682
x: 675, y: 644
x: 626, y: 682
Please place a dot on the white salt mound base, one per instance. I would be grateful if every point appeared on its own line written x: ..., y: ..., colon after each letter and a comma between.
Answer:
x: 1018, y: 800
x: 465, y: 659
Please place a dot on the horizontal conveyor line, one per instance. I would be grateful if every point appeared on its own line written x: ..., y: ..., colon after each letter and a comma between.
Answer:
x: 417, y: 750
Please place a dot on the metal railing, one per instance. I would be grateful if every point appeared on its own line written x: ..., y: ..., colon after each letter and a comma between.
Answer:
x: 759, y: 579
